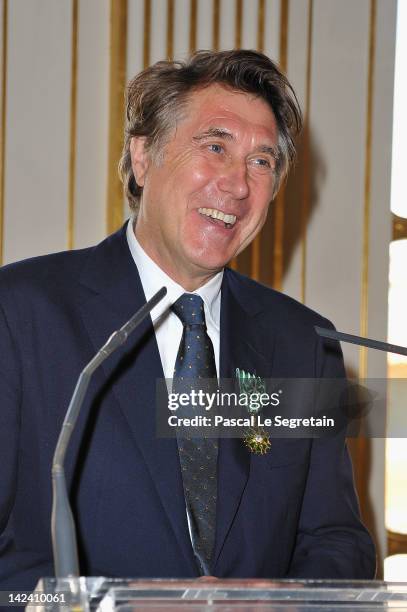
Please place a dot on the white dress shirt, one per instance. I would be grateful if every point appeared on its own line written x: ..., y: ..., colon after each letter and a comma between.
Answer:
x: 167, y: 326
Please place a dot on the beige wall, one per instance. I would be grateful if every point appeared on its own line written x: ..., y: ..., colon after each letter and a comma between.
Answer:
x: 327, y: 238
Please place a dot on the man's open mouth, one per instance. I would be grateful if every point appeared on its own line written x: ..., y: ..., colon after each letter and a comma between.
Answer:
x: 218, y: 215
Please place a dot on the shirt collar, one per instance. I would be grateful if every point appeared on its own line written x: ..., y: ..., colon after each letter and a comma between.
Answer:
x: 153, y: 278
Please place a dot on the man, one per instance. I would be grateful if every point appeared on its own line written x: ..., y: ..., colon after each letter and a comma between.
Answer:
x: 207, y: 146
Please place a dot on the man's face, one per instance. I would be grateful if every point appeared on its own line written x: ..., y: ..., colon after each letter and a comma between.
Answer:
x: 208, y: 197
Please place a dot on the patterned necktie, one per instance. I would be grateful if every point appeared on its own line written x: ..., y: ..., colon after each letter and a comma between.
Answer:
x: 198, y: 456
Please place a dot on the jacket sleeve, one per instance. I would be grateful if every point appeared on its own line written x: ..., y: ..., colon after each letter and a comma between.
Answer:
x: 331, y: 539
x: 20, y: 567
x: 10, y: 389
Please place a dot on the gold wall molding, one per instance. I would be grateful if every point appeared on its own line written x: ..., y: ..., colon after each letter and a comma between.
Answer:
x: 238, y: 42
x: 279, y: 204
x: 238, y: 23
x: 364, y: 298
x: 73, y: 123
x: 261, y: 17
x: 306, y: 187
x: 170, y: 29
x: 147, y: 29
x: 360, y: 448
x: 397, y: 543
x: 193, y: 18
x: 255, y: 260
x: 3, y: 123
x: 117, y: 84
x: 216, y: 25
x: 399, y: 227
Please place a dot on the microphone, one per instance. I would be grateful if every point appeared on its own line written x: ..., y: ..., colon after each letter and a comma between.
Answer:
x: 64, y: 544
x: 375, y: 344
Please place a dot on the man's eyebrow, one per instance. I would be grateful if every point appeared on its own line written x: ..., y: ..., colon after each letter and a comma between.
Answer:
x: 214, y: 132
x: 272, y: 151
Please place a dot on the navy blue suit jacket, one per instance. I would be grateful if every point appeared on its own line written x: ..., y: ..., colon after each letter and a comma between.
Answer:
x: 290, y: 513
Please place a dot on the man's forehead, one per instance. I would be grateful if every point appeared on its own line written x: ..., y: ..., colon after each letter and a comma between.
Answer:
x: 218, y: 108
x: 231, y: 127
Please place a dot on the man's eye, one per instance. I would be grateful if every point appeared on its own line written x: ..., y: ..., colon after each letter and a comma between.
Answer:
x: 216, y: 148
x: 260, y: 161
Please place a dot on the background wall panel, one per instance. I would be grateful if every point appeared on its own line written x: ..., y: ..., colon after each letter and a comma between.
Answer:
x: 379, y: 239
x: 297, y: 53
x: 3, y: 100
x: 249, y: 29
x: 334, y: 257
x: 38, y: 127
x: 182, y: 28
x: 335, y: 221
x: 205, y: 24
x: 135, y: 38
x: 92, y: 121
x: 272, y: 28
x: 158, y: 34
x: 229, y: 13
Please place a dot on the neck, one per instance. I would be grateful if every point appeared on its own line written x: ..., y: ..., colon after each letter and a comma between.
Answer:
x: 190, y: 280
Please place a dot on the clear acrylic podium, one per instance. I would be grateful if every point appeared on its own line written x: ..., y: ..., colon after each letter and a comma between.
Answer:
x: 133, y: 595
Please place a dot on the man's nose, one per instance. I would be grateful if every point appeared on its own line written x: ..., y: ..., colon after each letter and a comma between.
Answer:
x: 234, y: 180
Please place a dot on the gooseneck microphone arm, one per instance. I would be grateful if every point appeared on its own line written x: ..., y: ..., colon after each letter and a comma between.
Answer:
x: 374, y: 344
x: 62, y: 525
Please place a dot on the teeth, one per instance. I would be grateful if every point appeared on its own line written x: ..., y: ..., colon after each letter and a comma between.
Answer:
x: 218, y: 214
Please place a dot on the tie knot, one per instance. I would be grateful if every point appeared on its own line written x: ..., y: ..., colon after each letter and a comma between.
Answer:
x: 190, y: 309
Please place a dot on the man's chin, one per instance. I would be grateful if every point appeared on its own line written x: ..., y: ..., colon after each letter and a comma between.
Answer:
x: 212, y: 266
x: 206, y: 262
x: 214, y: 259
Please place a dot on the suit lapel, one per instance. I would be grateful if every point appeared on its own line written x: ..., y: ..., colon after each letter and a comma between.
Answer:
x: 113, y: 293
x: 240, y: 347
x: 116, y: 294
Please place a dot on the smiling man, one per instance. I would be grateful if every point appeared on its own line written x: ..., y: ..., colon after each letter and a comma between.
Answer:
x: 209, y: 197
x: 208, y: 143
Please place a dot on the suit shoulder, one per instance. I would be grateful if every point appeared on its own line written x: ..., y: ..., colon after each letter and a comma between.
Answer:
x: 44, y: 271
x: 274, y: 304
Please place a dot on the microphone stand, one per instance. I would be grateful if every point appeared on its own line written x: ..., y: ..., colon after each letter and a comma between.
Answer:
x: 64, y: 543
x: 375, y: 344
x: 360, y: 341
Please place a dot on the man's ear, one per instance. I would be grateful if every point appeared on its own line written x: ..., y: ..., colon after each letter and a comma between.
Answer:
x: 139, y: 158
